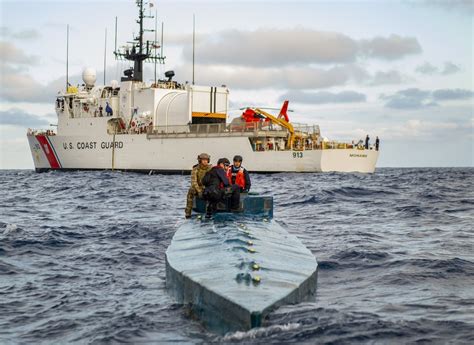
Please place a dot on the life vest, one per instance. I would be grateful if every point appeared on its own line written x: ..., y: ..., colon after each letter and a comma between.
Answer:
x: 239, y: 177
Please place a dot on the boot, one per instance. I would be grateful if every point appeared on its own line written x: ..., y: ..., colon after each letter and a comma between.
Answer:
x: 209, y: 210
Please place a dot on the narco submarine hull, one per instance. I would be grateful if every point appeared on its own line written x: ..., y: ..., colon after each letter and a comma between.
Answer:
x: 233, y: 270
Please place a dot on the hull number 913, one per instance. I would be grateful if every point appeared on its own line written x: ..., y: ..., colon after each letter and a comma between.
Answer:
x: 297, y: 154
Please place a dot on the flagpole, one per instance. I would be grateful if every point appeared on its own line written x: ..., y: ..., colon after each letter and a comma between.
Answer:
x: 115, y: 51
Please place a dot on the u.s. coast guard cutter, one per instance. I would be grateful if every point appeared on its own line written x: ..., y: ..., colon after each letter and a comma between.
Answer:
x: 233, y: 270
x: 132, y: 125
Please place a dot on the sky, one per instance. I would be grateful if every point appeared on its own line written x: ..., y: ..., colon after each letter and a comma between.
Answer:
x: 400, y: 70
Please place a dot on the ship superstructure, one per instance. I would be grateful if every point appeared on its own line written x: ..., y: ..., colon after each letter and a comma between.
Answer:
x: 162, y: 126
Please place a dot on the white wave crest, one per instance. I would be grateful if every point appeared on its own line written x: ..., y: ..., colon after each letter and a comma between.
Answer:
x: 260, y: 332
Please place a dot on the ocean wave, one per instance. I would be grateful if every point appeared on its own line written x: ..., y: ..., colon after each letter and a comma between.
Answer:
x: 82, y: 258
x: 355, y: 255
x: 257, y: 333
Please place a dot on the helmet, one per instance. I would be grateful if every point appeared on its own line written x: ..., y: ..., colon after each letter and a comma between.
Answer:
x: 238, y: 158
x: 224, y: 161
x: 204, y: 156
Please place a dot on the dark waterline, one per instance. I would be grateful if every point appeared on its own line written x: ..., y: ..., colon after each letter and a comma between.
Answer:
x: 82, y: 257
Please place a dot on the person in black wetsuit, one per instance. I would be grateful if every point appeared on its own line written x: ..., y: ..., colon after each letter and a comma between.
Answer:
x: 217, y: 188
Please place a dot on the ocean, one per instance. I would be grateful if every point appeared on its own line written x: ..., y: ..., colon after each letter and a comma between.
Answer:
x: 82, y: 257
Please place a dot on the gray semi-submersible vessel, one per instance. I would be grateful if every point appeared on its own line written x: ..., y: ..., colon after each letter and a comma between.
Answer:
x: 233, y: 270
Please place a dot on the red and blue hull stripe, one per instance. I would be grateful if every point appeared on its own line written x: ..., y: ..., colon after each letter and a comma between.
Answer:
x: 49, y: 151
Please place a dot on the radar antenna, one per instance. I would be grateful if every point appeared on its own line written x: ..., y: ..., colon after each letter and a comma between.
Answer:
x: 141, y: 50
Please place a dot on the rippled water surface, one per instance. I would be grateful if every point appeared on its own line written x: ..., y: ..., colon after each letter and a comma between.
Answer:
x: 82, y: 257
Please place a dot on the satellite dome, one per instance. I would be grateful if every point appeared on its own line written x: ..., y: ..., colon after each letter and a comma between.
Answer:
x: 89, y: 76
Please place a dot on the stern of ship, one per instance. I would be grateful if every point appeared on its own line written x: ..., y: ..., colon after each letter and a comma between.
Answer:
x: 349, y: 160
x: 42, y: 152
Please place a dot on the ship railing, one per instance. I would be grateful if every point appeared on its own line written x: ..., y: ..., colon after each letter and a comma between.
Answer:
x: 221, y: 129
x: 309, y: 143
x: 34, y: 132
x: 344, y: 144
x: 302, y: 128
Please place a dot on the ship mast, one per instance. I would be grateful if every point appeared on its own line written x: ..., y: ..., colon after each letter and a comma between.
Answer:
x: 141, y: 51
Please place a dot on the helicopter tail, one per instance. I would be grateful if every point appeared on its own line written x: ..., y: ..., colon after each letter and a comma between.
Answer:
x: 283, y: 111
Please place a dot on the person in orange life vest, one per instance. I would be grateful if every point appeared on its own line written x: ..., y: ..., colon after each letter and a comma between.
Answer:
x: 218, y: 187
x: 238, y: 175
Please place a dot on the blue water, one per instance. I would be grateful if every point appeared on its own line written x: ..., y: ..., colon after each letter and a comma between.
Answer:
x: 82, y: 257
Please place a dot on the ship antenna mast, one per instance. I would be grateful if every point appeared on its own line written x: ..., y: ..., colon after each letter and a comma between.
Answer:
x: 67, y: 59
x: 105, y: 54
x: 194, y: 41
x: 156, y: 29
x: 139, y: 53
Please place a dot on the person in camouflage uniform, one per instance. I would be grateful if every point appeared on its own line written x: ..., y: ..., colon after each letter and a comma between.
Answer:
x: 197, y: 174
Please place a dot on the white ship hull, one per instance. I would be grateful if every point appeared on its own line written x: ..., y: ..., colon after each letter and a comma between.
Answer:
x: 139, y: 152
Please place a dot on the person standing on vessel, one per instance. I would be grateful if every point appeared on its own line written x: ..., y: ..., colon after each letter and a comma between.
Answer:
x: 108, y: 109
x: 367, y: 142
x: 197, y: 187
x: 377, y: 143
x: 218, y: 188
x: 238, y: 175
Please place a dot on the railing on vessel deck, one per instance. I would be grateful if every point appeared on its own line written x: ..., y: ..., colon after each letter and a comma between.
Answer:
x: 33, y: 132
x: 232, y: 129
x: 341, y: 145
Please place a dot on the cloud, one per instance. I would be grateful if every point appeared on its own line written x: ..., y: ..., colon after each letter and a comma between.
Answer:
x: 426, y: 68
x: 429, y: 69
x: 17, y: 84
x: 407, y: 103
x: 450, y: 68
x: 288, y: 77
x: 298, y: 46
x: 461, y: 6
x: 9, y: 53
x: 452, y: 94
x: 18, y: 117
x: 408, y: 99
x: 272, y: 48
x: 389, y: 77
x: 390, y: 48
x: 6, y: 33
x: 323, y: 97
x: 415, y: 98
x: 426, y: 129
x: 22, y: 87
